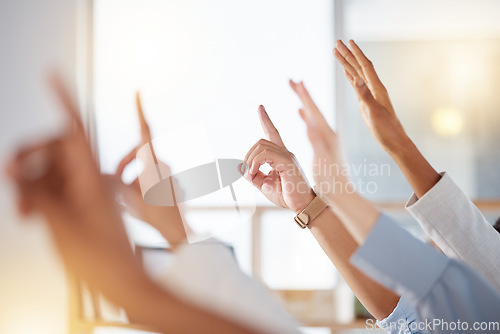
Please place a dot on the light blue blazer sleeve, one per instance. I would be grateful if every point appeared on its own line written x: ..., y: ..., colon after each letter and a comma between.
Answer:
x: 437, y: 287
x: 402, y: 320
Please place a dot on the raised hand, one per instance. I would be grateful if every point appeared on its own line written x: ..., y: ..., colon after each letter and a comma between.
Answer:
x: 166, y: 219
x: 382, y: 121
x: 374, y: 103
x: 145, y: 138
x: 285, y: 185
x: 60, y: 180
x: 332, y: 180
x: 328, y: 167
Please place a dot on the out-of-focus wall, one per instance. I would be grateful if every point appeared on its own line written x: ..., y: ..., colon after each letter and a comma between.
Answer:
x: 35, y: 37
x: 439, y: 61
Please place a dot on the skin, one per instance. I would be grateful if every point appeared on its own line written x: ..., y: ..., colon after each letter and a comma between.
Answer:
x: 286, y: 186
x: 61, y: 197
x: 381, y: 119
x: 166, y: 219
x: 357, y: 214
x: 60, y: 181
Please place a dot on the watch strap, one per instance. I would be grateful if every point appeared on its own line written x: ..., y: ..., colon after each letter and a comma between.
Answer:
x: 313, y: 210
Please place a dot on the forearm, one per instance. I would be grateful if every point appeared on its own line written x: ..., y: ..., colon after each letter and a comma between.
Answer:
x: 417, y: 170
x: 339, y: 245
x: 173, y: 228
x: 357, y: 214
x: 146, y: 303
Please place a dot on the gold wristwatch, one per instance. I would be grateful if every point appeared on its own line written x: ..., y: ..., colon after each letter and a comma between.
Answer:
x: 311, y: 211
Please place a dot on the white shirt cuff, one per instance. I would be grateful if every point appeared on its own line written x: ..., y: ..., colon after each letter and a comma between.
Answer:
x: 206, y: 274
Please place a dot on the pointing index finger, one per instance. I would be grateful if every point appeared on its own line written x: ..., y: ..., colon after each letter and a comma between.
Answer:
x: 366, y: 65
x: 271, y: 132
x: 62, y: 92
x: 145, y: 132
x: 347, y: 59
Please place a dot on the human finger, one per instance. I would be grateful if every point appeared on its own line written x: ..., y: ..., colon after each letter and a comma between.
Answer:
x: 127, y: 160
x: 61, y: 91
x: 272, y: 133
x: 145, y: 131
x: 252, y: 149
x: 370, y: 74
x: 264, y: 155
x: 309, y: 107
x: 345, y: 64
x: 364, y: 93
x: 348, y: 56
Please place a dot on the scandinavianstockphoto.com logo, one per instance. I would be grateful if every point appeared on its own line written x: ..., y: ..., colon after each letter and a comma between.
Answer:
x: 437, y: 325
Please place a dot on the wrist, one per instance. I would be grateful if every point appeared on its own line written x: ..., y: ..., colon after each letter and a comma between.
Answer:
x: 313, y: 210
x: 405, y: 153
x: 417, y: 170
x: 174, y: 229
x: 400, y: 148
x: 347, y: 190
x: 307, y: 199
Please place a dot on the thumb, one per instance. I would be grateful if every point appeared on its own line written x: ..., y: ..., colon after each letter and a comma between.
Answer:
x: 131, y: 156
x: 364, y: 93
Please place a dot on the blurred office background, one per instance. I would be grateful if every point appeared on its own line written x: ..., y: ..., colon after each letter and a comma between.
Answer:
x: 202, y: 68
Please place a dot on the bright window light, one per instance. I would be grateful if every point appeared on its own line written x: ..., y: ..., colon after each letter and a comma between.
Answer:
x: 210, y: 63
